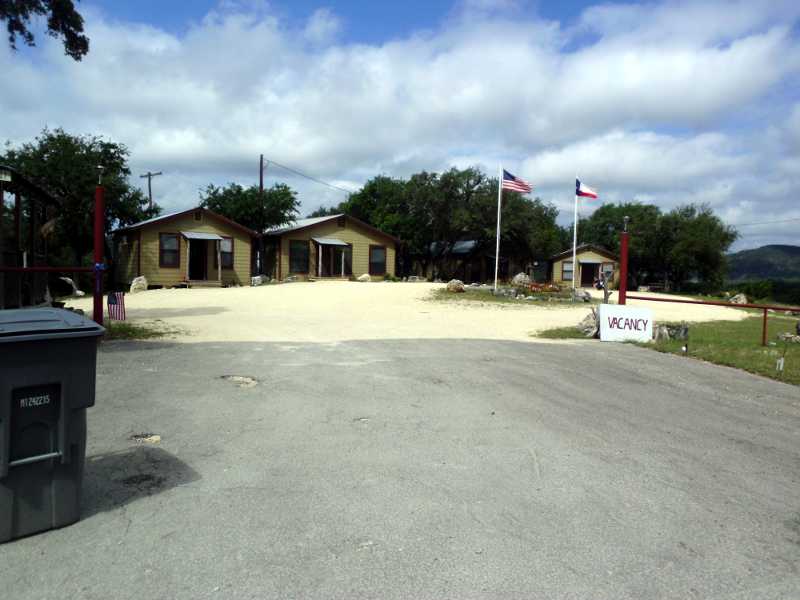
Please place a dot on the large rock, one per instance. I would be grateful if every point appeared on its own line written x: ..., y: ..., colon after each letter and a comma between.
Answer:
x: 258, y: 280
x: 74, y: 291
x: 365, y: 278
x: 139, y: 284
x: 521, y: 279
x: 455, y: 286
x: 581, y: 295
x: 590, y: 326
x: 739, y: 299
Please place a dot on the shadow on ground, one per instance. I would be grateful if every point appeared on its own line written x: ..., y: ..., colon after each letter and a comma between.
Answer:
x: 165, y: 313
x: 117, y: 478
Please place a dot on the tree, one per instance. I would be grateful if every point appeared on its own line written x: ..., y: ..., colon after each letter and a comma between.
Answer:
x: 646, y: 253
x: 323, y: 212
x: 67, y: 166
x: 277, y: 206
x: 62, y: 21
x: 689, y: 241
x: 698, y: 242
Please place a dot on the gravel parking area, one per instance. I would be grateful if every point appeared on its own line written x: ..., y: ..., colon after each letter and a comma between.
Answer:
x: 333, y: 311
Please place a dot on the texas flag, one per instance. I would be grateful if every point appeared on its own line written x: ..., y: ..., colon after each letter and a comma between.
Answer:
x: 584, y: 190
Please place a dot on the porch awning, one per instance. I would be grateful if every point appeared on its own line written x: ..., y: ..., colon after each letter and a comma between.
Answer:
x: 330, y: 242
x: 198, y: 235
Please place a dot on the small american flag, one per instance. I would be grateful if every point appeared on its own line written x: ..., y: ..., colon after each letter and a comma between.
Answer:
x: 116, y: 306
x: 516, y: 184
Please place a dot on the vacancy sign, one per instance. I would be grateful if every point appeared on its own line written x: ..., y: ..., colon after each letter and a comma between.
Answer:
x: 625, y: 324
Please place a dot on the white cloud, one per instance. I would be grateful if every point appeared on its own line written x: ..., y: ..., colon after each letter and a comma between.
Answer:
x: 322, y: 26
x: 643, y: 100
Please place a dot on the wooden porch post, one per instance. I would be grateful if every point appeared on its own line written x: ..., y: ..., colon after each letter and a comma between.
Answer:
x: 188, y: 256
x: 219, y: 261
x: 319, y: 262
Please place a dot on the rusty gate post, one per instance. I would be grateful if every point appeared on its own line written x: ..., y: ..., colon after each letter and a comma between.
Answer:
x: 99, y: 245
x: 623, y: 264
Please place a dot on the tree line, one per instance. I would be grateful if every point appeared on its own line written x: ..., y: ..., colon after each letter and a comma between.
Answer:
x: 429, y: 212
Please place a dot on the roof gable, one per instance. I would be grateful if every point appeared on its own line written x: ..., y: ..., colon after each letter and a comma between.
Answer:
x: 174, y: 215
x: 586, y: 248
x: 314, y: 221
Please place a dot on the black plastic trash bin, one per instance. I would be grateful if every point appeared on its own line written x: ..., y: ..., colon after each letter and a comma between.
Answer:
x: 47, y: 379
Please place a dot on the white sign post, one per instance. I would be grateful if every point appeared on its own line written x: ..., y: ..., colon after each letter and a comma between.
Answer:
x: 625, y: 324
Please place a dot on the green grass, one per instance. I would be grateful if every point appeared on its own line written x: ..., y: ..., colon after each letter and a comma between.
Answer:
x: 485, y: 296
x: 125, y: 330
x: 738, y: 344
x: 562, y: 333
x: 732, y: 343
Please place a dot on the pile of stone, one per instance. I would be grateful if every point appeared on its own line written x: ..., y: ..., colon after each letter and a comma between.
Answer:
x: 671, y: 332
x: 789, y: 337
x: 455, y: 286
x: 590, y: 325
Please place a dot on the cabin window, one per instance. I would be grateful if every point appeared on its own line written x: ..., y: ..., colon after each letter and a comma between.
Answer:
x: 377, y: 260
x: 169, y: 256
x: 298, y: 256
x: 566, y: 270
x: 225, y: 253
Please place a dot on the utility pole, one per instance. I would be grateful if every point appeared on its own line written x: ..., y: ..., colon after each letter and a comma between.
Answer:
x: 261, y: 245
x: 150, y: 176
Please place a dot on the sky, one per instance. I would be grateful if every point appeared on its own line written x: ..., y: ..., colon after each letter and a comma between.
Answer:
x: 664, y: 102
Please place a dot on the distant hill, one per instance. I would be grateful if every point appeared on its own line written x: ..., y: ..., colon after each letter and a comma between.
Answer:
x: 768, y: 262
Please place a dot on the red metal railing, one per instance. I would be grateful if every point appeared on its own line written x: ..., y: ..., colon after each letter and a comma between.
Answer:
x: 99, y: 265
x: 764, y: 307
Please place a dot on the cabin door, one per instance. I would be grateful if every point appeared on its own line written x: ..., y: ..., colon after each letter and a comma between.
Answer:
x: 589, y: 273
x: 198, y: 260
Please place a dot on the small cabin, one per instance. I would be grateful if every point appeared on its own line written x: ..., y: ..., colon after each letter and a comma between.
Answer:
x: 591, y: 261
x: 331, y: 247
x: 194, y: 248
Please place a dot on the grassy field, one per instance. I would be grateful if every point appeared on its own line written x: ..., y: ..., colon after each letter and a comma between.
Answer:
x: 731, y: 343
x: 125, y: 330
x: 486, y: 296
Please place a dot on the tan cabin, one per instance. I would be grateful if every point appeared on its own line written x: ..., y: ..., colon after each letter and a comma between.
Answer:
x: 335, y: 247
x: 591, y: 261
x: 195, y: 248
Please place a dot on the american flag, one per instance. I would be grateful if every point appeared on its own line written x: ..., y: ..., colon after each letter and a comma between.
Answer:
x: 516, y: 184
x: 116, y: 306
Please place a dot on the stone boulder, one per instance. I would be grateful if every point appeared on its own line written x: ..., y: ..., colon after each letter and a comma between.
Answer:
x: 74, y: 291
x: 789, y: 337
x: 739, y: 299
x: 365, y: 278
x: 139, y: 284
x: 455, y: 286
x: 581, y: 295
x: 590, y: 326
x: 521, y: 279
x: 258, y: 280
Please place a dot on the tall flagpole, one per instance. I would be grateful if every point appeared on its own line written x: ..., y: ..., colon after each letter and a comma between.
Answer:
x: 497, y: 245
x: 575, y: 238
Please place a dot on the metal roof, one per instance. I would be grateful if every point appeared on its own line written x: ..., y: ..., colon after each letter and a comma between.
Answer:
x: 200, y: 235
x: 300, y: 224
x: 329, y: 241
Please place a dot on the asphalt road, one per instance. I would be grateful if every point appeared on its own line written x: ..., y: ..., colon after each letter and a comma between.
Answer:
x: 426, y: 469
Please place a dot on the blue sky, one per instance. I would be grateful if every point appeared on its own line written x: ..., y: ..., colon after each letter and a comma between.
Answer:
x: 669, y: 102
x: 363, y: 22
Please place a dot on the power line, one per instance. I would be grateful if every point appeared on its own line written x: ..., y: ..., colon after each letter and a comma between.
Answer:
x: 765, y: 222
x: 314, y: 179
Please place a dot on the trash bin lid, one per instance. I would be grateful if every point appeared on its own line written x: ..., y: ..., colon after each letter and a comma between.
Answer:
x: 29, y: 324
